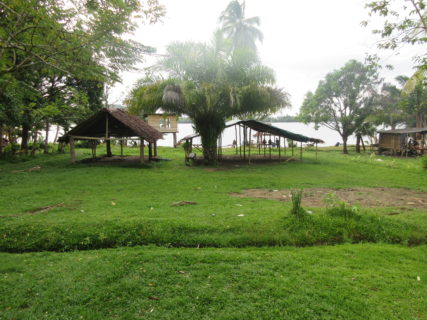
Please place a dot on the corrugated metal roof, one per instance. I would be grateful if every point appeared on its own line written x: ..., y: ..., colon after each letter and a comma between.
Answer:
x: 263, y: 127
x: 403, y: 131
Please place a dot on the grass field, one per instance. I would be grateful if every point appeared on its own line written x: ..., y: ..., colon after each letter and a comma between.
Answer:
x: 66, y: 207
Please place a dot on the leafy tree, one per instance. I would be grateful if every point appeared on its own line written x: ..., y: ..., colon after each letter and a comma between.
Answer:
x: 415, y: 103
x: 53, y: 49
x: 242, y: 31
x: 343, y: 100
x: 406, y: 23
x: 388, y: 110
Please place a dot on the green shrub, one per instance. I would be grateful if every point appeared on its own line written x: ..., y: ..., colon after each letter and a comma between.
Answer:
x: 297, y: 210
x: 424, y: 162
x: 341, y: 225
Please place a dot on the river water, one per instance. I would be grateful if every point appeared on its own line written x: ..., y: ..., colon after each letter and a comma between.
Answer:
x: 329, y: 136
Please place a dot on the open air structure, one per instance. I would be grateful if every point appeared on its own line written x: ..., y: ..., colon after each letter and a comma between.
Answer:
x: 403, y: 142
x: 113, y: 124
x: 267, y: 137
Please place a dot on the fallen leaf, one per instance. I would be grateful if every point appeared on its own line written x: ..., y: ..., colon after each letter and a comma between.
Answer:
x: 153, y: 298
x: 241, y: 215
x: 113, y: 203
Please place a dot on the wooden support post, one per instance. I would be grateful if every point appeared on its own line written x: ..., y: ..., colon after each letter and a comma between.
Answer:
x: 107, y: 136
x: 235, y: 131
x: 150, y: 151
x: 240, y: 142
x: 174, y: 140
x: 244, y: 142
x: 250, y: 135
x: 279, y: 149
x: 292, y: 142
x: 121, y: 149
x: 141, y: 150
x: 72, y: 150
x: 155, y: 149
x: 316, y: 150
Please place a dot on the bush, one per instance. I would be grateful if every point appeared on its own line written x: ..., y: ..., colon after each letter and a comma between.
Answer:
x: 424, y: 162
x: 297, y: 210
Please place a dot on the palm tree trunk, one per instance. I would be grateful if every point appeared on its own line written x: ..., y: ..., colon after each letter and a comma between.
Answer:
x: 209, y: 127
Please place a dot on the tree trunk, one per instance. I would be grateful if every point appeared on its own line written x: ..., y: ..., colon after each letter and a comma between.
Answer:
x: 24, y: 137
x: 358, y: 138
x: 46, y: 138
x: 420, y: 120
x: 1, y: 140
x: 56, y: 134
x: 209, y: 127
x: 34, y: 148
x: 344, y: 144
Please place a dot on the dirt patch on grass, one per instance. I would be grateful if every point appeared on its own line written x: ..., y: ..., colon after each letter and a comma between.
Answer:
x: 366, y: 197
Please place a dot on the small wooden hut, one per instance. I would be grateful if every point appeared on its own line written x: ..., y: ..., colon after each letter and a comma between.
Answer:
x: 113, y: 124
x: 165, y: 123
x: 409, y: 141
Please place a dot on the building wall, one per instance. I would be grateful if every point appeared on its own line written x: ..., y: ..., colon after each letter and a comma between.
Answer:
x: 163, y: 123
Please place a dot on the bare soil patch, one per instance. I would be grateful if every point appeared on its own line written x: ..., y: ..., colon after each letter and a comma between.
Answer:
x: 366, y: 197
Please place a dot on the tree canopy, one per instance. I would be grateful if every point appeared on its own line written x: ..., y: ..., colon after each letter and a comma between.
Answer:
x: 343, y: 100
x: 55, y: 57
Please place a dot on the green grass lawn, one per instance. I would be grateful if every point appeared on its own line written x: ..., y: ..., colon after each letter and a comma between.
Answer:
x: 336, y: 282
x: 106, y: 206
x: 200, y: 261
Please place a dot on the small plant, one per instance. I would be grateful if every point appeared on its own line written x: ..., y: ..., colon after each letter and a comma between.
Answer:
x: 297, y: 210
x: 424, y: 162
x: 337, y: 207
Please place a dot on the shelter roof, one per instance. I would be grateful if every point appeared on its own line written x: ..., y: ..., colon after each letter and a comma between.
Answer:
x: 404, y: 131
x: 263, y: 127
x: 120, y: 124
x: 266, y: 128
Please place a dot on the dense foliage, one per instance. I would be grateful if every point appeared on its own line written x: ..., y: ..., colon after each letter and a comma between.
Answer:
x: 56, y: 57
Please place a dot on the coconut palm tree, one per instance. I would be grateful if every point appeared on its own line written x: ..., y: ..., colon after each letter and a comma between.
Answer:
x: 242, y: 31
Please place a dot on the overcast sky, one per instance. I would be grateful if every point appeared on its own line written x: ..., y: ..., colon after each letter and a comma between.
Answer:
x: 303, y: 40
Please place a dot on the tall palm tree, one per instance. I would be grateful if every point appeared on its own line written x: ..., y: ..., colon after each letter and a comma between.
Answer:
x: 209, y: 88
x: 242, y: 31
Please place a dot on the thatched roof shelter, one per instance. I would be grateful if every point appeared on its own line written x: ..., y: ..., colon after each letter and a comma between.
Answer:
x: 120, y: 124
x: 112, y: 124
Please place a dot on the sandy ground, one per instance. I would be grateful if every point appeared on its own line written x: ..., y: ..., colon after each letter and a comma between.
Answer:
x: 366, y: 197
